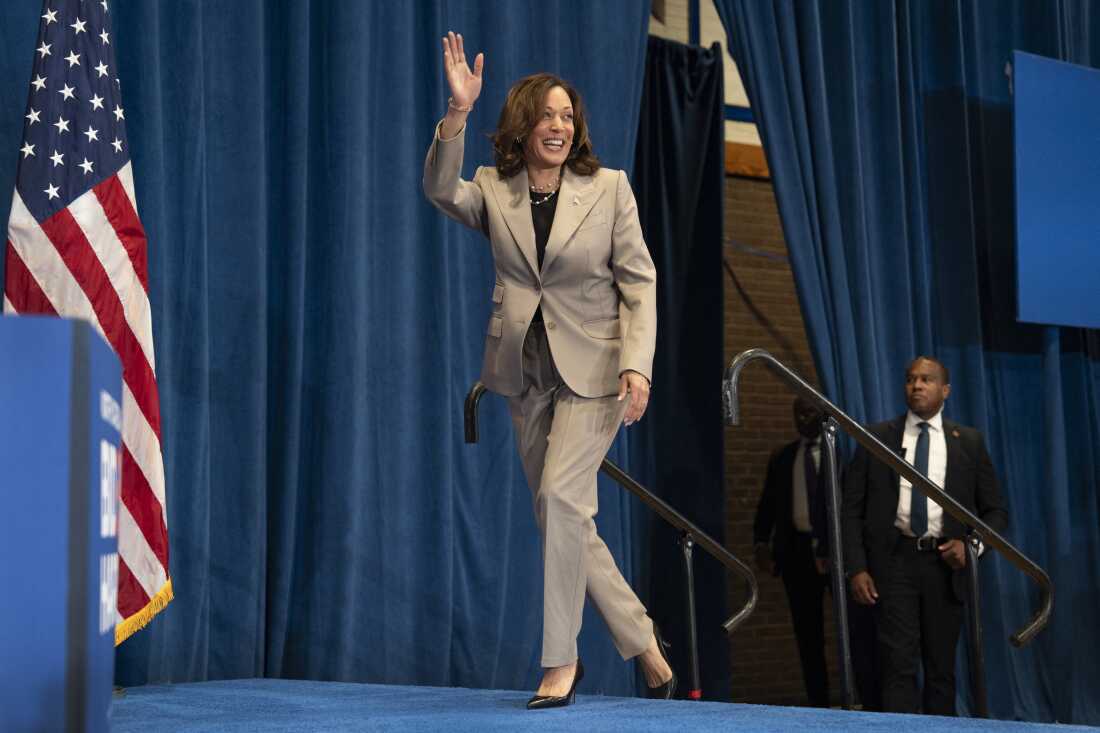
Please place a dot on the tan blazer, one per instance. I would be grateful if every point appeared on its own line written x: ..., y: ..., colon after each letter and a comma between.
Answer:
x: 597, y: 287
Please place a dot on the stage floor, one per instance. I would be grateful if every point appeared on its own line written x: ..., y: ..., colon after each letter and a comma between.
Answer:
x: 305, y: 707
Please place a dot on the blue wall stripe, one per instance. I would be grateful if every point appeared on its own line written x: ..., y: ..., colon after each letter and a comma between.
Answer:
x: 739, y: 114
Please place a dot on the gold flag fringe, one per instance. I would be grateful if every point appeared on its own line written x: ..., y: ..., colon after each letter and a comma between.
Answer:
x: 137, y: 621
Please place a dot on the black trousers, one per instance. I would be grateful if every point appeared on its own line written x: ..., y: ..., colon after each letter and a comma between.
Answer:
x: 919, y: 619
x: 805, y: 594
x: 863, y: 646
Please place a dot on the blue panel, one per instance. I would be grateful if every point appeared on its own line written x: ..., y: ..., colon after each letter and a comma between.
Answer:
x: 1057, y: 187
x: 35, y: 361
x: 58, y: 661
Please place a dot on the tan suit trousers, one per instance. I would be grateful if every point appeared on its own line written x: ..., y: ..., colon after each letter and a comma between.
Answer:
x: 562, y: 439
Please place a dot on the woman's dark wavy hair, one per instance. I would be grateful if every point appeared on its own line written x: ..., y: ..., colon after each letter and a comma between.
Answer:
x: 523, y: 108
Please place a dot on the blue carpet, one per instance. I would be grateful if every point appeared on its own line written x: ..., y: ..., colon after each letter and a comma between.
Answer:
x: 306, y: 707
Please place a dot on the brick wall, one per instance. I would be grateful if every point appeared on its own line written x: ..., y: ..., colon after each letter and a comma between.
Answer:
x: 763, y: 312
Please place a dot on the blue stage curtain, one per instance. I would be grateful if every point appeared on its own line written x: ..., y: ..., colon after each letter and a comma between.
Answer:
x: 888, y: 131
x: 680, y: 186
x: 317, y: 327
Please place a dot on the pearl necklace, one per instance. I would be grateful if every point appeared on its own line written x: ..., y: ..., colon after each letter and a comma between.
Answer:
x: 552, y: 186
x: 544, y: 199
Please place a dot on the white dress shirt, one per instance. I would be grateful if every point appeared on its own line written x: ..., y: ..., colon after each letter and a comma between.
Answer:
x: 937, y: 472
x: 800, y: 500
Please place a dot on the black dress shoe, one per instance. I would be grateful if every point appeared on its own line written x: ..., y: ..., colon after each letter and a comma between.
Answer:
x: 540, y: 702
x: 668, y: 689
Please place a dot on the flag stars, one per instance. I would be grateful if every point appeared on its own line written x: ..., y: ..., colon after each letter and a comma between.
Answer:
x: 78, y: 26
x: 101, y: 69
x: 117, y: 144
x: 67, y: 92
x: 62, y: 125
x: 57, y: 158
x: 39, y: 82
x: 87, y: 165
x: 51, y: 192
x: 92, y: 133
x: 33, y: 116
x: 27, y: 150
x: 73, y: 58
x: 119, y: 117
x: 44, y: 49
x: 50, y: 17
x: 105, y: 37
x: 104, y: 4
x: 97, y: 102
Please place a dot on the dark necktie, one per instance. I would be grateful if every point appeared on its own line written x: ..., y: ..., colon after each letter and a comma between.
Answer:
x: 814, y: 503
x: 810, y: 472
x: 918, y: 513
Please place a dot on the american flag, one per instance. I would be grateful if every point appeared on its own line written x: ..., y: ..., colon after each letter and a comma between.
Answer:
x: 76, y: 248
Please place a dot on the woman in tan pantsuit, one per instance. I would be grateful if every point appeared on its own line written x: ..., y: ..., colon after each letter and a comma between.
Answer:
x: 569, y: 343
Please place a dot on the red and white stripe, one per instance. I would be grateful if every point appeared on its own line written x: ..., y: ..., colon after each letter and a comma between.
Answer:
x: 89, y: 261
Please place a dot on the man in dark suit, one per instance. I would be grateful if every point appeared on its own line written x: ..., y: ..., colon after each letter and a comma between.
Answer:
x: 904, y: 554
x: 791, y: 514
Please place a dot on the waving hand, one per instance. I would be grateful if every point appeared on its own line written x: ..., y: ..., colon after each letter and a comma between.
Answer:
x: 465, y: 83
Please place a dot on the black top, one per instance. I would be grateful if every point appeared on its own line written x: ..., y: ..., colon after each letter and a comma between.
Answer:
x: 543, y: 217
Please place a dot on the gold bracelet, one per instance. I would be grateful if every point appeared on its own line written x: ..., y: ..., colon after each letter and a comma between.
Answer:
x: 456, y: 108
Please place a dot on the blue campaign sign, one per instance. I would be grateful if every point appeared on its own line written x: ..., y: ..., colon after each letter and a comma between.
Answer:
x: 60, y: 422
x: 1057, y: 109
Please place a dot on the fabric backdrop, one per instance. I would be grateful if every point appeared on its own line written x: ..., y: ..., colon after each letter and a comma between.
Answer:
x: 888, y: 131
x: 317, y: 325
x: 680, y: 182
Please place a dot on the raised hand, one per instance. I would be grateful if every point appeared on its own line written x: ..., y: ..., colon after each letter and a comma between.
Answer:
x: 465, y: 84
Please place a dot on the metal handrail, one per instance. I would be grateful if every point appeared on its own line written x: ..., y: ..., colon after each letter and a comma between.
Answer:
x: 658, y: 505
x: 875, y: 447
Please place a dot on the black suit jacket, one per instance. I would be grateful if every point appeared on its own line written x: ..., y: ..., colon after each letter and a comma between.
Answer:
x: 870, y: 501
x: 774, y: 510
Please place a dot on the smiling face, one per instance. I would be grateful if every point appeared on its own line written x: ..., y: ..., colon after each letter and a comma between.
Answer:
x: 549, y: 143
x: 925, y: 388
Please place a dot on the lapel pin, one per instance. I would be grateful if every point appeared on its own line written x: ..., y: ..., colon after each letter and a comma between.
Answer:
x: 576, y: 199
x: 955, y: 433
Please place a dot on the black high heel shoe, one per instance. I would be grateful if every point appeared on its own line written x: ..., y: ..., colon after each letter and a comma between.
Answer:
x: 540, y: 702
x: 668, y: 689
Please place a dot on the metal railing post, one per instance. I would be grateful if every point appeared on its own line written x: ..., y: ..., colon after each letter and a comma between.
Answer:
x: 687, y: 544
x: 977, y: 648
x: 836, y: 562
